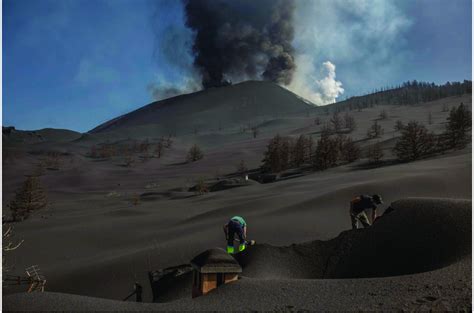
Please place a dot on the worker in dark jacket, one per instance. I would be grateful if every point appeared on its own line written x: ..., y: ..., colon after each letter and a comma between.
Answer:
x: 358, y: 206
x: 236, y: 226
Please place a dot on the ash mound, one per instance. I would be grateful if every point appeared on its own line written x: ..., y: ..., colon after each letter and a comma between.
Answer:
x: 419, y: 235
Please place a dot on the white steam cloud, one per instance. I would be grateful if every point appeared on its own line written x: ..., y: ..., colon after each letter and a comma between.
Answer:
x: 320, y: 90
x: 364, y: 38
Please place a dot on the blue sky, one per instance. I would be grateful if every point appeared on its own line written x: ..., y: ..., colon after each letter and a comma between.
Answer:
x: 77, y: 63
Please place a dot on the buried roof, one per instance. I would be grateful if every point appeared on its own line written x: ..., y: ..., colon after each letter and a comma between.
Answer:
x: 215, y: 260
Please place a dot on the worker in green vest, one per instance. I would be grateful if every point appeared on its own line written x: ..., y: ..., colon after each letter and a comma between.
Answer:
x: 236, y: 226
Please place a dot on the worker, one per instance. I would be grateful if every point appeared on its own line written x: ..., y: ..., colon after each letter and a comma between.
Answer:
x: 236, y: 226
x: 358, y: 206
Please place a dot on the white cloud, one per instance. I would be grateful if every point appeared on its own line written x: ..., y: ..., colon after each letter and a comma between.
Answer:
x: 365, y: 38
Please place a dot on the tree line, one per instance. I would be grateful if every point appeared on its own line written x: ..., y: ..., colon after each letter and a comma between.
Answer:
x: 334, y: 148
x: 408, y: 93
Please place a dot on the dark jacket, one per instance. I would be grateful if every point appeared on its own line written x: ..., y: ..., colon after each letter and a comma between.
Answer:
x: 361, y: 203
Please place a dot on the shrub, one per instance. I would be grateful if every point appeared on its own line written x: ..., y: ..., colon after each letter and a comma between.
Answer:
x: 194, y: 154
x: 383, y: 115
x: 414, y: 143
x: 201, y: 187
x: 254, y: 132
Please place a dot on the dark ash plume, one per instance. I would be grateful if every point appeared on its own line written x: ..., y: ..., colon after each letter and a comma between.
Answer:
x: 242, y: 39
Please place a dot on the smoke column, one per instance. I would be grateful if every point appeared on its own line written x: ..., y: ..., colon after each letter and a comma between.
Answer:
x: 244, y: 39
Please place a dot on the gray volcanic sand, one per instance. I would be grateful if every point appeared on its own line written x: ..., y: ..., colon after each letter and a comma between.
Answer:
x: 435, y: 236
x: 93, y: 241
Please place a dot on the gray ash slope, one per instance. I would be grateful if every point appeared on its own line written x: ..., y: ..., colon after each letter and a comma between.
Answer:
x: 213, y: 108
x: 420, y: 235
x: 427, y: 235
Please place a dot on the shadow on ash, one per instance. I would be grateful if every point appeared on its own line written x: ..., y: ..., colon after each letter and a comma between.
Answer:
x: 418, y: 235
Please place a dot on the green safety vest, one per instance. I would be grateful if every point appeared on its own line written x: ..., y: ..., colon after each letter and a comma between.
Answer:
x: 240, y: 220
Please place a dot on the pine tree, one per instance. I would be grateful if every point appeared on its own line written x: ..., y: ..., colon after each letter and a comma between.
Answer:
x: 375, y: 153
x: 336, y: 122
x: 194, y: 154
x: 327, y: 152
x: 415, y: 142
x: 349, y: 151
x: 458, y: 127
x: 349, y: 122
x: 374, y: 131
x: 277, y: 155
x: 30, y: 197
x: 299, y: 151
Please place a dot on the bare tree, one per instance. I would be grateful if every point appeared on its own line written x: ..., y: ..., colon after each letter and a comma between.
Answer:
x: 430, y: 118
x: 159, y: 149
x: 242, y: 168
x: 254, y: 131
x: 8, y: 245
x: 383, y: 115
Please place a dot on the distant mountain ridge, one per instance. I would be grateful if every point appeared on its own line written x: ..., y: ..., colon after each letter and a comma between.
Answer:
x: 214, y: 108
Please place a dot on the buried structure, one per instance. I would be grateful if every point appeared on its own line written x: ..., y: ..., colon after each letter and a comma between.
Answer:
x: 212, y: 268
